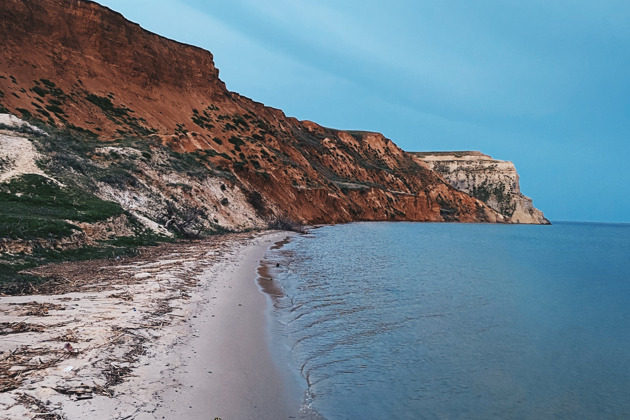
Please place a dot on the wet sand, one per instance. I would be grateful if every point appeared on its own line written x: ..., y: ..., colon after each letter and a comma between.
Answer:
x: 227, y: 369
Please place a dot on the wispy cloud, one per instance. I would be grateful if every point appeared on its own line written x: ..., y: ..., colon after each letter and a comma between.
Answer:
x: 522, y: 80
x: 454, y: 59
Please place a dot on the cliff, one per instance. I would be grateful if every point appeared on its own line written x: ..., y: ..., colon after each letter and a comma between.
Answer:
x: 495, y: 182
x: 145, y: 122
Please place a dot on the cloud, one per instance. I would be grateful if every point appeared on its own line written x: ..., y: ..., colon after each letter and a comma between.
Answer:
x: 436, y: 59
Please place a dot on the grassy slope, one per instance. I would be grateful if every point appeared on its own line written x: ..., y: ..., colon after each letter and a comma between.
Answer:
x: 33, y: 207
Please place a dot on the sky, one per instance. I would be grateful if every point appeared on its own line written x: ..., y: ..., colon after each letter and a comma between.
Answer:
x: 544, y: 84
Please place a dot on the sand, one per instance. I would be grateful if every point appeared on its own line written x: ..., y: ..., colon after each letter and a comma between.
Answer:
x: 179, y: 332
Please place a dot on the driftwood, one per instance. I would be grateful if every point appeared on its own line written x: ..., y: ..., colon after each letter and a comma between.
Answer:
x: 7, y: 328
x: 40, y: 309
x: 81, y: 392
x: 43, y: 413
x: 105, y: 357
x: 22, y: 362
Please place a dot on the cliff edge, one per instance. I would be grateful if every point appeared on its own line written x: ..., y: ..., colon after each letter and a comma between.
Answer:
x: 145, y: 122
x: 495, y: 182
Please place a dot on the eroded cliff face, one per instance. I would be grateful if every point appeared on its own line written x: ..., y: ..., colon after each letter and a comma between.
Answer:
x: 78, y: 67
x: 495, y: 182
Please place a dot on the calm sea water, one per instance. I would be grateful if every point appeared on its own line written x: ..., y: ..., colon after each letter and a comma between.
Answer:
x: 414, y: 320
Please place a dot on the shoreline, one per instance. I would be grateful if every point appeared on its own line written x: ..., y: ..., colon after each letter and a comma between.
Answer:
x: 177, y: 332
x: 247, y: 383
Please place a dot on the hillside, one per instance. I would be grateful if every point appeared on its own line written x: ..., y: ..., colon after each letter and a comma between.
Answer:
x: 142, y: 128
x: 78, y: 66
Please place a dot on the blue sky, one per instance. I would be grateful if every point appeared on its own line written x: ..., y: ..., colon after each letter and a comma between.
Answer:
x: 545, y: 84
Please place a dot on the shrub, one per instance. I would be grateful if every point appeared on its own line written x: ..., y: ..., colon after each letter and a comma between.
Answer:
x: 285, y: 223
x: 236, y: 141
x: 38, y: 90
x: 255, y: 199
x: 240, y: 121
x: 106, y: 105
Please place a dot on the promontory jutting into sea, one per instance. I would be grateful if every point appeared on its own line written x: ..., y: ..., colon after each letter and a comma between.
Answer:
x: 170, y: 248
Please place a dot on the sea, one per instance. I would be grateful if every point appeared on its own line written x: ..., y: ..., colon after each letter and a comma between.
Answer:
x: 456, y: 321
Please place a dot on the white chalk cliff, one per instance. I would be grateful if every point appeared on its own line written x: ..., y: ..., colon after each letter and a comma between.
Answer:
x: 495, y: 182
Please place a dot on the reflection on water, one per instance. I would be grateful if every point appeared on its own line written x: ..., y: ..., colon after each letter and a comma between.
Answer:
x: 405, y: 320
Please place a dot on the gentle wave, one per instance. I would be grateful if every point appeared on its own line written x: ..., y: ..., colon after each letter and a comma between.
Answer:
x: 404, y: 320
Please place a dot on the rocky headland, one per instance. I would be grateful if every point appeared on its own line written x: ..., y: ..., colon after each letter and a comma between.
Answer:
x: 112, y: 137
x: 495, y: 182
x: 146, y: 122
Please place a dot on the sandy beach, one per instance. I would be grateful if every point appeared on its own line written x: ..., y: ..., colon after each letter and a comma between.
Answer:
x: 178, y: 332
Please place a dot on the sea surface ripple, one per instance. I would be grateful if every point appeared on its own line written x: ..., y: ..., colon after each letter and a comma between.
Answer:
x: 416, y: 320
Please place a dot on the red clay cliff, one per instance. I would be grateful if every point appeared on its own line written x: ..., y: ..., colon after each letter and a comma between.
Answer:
x: 78, y: 66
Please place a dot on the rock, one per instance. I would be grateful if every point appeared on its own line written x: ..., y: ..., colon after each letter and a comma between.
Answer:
x: 100, y: 76
x: 495, y: 182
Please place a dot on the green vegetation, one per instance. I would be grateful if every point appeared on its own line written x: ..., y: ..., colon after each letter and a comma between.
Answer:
x: 107, y: 106
x: 45, y: 114
x: 485, y: 192
x: 37, y: 209
x: 237, y: 142
x: 181, y: 130
x: 120, y: 175
x: 255, y: 199
x: 55, y: 96
x: 262, y: 125
x: 25, y: 113
x: 441, y: 168
x: 33, y: 206
x: 121, y: 116
x: 49, y: 88
x: 203, y: 119
x: 38, y: 90
x: 240, y: 122
x: 24, y: 129
x: 13, y: 281
x: 48, y: 83
x: 55, y: 109
x: 197, y: 164
x: 80, y: 130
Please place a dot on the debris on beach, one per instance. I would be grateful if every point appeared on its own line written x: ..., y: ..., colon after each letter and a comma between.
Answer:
x: 35, y: 308
x: 37, y: 406
x: 23, y: 362
x: 7, y: 328
x: 85, y: 314
x: 68, y: 347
